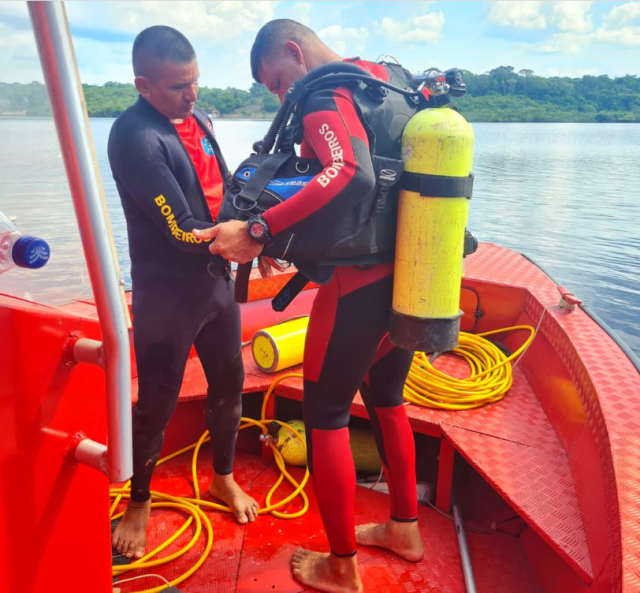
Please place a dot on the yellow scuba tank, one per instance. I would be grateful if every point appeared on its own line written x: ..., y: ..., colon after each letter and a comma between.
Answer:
x: 280, y: 346
x: 437, y: 149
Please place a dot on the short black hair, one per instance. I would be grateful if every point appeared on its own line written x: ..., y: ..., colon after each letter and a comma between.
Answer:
x: 273, y: 35
x: 159, y: 44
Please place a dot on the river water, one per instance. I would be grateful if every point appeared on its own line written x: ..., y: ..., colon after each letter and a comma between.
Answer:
x: 567, y: 195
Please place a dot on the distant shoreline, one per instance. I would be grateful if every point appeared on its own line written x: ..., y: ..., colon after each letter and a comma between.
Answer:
x: 244, y: 118
x: 501, y: 95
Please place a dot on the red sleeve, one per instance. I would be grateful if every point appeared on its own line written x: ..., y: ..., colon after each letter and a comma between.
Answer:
x: 333, y: 130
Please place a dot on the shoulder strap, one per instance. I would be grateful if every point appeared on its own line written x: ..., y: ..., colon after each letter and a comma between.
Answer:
x: 264, y: 174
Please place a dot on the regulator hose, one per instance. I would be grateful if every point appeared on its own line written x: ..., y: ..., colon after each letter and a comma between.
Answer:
x: 282, y: 116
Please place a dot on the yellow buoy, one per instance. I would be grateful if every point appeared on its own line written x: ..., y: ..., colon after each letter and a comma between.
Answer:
x: 364, y: 450
x: 280, y: 346
x: 437, y: 149
x: 363, y: 447
x: 290, y: 447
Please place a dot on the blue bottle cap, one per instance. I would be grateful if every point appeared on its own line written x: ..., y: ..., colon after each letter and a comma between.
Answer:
x: 30, y: 252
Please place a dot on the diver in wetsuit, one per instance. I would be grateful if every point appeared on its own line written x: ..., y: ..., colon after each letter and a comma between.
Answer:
x: 170, y: 175
x: 347, y: 345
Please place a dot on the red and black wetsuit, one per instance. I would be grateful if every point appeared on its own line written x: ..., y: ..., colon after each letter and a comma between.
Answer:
x: 170, y: 179
x: 347, y: 346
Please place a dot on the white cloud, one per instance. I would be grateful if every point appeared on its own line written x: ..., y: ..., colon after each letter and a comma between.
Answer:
x: 109, y: 61
x: 568, y: 43
x: 572, y: 16
x: 16, y: 9
x: 18, y: 52
x: 576, y: 26
x: 344, y: 40
x: 623, y: 14
x: 424, y: 28
x: 204, y: 23
x: 302, y: 12
x: 618, y: 26
x: 103, y: 33
x: 629, y: 36
x: 518, y: 15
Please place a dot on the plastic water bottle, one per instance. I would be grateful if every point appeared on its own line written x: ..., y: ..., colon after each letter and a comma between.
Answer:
x: 20, y: 250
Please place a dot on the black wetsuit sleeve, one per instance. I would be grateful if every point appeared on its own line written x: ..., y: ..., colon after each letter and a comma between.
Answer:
x: 139, y: 164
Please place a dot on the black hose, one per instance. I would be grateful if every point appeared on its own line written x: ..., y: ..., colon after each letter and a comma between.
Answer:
x: 368, y: 78
x: 272, y: 132
x: 280, y: 119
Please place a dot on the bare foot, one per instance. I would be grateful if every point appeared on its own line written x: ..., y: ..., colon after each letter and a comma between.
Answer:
x: 401, y: 538
x: 130, y: 536
x: 326, y: 572
x: 226, y: 489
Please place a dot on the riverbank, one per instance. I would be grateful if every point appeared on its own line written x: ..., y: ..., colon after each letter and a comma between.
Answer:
x: 501, y: 95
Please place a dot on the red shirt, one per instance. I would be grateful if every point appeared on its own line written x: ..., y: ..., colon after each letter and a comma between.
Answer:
x: 204, y: 160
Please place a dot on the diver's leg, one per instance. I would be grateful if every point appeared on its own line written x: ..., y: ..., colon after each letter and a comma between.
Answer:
x: 163, y: 334
x: 218, y: 346
x: 382, y: 394
x: 348, y: 320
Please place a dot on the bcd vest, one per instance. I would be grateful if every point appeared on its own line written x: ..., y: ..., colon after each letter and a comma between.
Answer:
x: 351, y: 229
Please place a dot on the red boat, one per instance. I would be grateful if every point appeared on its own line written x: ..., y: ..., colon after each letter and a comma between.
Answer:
x: 547, y: 479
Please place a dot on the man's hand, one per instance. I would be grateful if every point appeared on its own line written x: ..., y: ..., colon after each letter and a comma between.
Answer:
x: 231, y: 241
x: 265, y: 264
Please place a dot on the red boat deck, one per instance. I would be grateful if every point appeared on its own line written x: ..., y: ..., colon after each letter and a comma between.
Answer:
x: 511, y: 444
x: 256, y: 557
x: 561, y: 449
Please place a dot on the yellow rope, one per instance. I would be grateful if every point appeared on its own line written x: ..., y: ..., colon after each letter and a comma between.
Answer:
x: 192, y: 506
x: 489, y: 381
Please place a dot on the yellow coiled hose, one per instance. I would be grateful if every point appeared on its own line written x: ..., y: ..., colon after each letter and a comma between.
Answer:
x: 490, y: 379
x: 191, y: 506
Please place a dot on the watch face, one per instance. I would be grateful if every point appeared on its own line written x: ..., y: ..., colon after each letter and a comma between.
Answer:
x: 257, y: 230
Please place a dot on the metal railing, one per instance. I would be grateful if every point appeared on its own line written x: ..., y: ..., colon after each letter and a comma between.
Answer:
x: 61, y: 75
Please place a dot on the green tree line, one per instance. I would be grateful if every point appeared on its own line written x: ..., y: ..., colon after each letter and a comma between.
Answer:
x: 500, y: 95
x: 505, y: 95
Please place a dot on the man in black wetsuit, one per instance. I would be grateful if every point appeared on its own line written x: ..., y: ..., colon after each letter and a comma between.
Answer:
x: 347, y: 346
x: 171, y: 175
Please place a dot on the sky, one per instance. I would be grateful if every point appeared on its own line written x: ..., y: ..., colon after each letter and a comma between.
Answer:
x: 551, y: 38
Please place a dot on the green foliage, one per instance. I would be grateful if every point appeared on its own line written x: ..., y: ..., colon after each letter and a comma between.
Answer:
x: 270, y: 103
x: 24, y: 99
x: 500, y: 95
x: 109, y: 100
x: 504, y: 95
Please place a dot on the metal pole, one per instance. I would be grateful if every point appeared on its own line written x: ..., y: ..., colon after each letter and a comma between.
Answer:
x: 467, y: 568
x: 69, y: 111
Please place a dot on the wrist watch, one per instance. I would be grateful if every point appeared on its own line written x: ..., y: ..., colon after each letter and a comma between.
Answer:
x: 259, y: 230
